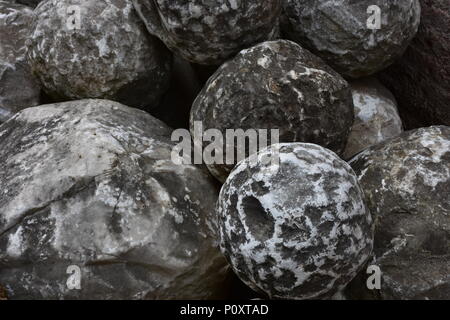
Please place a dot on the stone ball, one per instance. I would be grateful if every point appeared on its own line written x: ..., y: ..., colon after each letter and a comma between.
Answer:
x: 209, y: 32
x: 19, y: 89
x: 276, y: 85
x: 90, y: 185
x: 97, y: 49
x: 345, y: 35
x: 298, y: 229
x: 376, y: 116
x: 406, y: 182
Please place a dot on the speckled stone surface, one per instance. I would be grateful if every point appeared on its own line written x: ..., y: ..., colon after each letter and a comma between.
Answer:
x: 209, y: 32
x: 110, y: 56
x: 376, y: 116
x: 277, y: 85
x: 299, y: 232
x: 406, y: 182
x: 421, y: 79
x: 336, y: 30
x: 19, y: 89
x: 91, y: 183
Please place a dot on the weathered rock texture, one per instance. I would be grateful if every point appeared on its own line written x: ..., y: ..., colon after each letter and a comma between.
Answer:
x: 19, y: 89
x: 406, y: 182
x: 420, y: 80
x: 91, y: 183
x: 376, y: 116
x: 302, y: 231
x: 277, y: 85
x: 337, y: 31
x: 109, y: 56
x: 209, y: 32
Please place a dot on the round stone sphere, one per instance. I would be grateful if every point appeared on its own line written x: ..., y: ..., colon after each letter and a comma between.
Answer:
x: 344, y: 33
x: 209, y: 32
x: 296, y: 230
x: 97, y: 49
x: 406, y: 181
x: 276, y: 85
x: 376, y: 116
x: 89, y: 186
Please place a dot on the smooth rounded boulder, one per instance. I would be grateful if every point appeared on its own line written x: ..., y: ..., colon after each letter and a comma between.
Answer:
x: 296, y: 228
x: 357, y: 38
x: 276, y: 85
x: 97, y: 49
x: 89, y: 191
x: 209, y: 32
x: 406, y: 181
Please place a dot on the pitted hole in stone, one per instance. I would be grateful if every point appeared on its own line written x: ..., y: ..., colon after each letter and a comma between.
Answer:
x: 260, y: 222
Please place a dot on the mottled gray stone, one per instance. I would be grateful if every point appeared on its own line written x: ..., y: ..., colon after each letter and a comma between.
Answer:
x: 376, y: 116
x: 406, y: 181
x: 277, y: 85
x: 110, y: 56
x: 209, y: 32
x: 336, y: 30
x: 19, y: 89
x: 91, y: 183
x: 300, y: 232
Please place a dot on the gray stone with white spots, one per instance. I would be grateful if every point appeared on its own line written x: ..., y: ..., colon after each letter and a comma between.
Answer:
x: 406, y: 181
x: 337, y: 31
x: 209, y: 32
x: 91, y: 183
x: 19, y: 89
x: 277, y: 85
x: 376, y: 116
x: 110, y: 56
x: 299, y: 232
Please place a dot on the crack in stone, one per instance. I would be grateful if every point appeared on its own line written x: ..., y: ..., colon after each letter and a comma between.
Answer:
x: 34, y: 211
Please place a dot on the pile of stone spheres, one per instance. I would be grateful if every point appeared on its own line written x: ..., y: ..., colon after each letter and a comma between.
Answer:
x: 93, y: 205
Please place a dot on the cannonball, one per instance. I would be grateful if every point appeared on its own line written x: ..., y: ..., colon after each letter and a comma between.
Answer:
x: 300, y: 231
x: 276, y: 85
x: 376, y: 116
x: 19, y: 89
x: 97, y: 49
x: 89, y: 187
x: 406, y: 181
x: 209, y: 32
x: 346, y: 35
